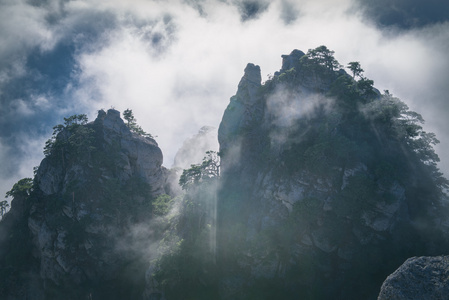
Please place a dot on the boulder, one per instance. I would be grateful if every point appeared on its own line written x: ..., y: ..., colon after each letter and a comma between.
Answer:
x: 418, y: 278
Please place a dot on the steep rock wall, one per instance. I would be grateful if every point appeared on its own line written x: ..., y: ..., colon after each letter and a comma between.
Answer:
x: 89, y: 216
x: 302, y: 198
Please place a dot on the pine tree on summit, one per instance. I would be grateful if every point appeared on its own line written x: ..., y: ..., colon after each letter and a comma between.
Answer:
x: 325, y: 57
x: 129, y: 117
x: 132, y: 124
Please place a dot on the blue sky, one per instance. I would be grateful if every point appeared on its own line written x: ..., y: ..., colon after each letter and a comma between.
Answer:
x: 176, y: 63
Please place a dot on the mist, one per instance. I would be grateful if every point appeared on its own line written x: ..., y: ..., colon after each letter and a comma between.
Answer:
x: 176, y: 63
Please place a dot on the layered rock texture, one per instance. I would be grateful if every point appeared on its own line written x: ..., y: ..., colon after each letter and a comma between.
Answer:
x: 418, y: 278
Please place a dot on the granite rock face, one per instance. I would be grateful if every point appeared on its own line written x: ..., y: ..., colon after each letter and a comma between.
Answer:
x: 292, y: 211
x: 90, y: 249
x: 139, y: 156
x: 243, y: 109
x: 90, y: 215
x: 418, y: 278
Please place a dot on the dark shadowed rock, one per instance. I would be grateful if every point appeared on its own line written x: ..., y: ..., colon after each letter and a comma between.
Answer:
x: 244, y: 108
x: 327, y: 228
x: 291, y: 60
x: 419, y: 278
x: 249, y: 84
x: 80, y: 219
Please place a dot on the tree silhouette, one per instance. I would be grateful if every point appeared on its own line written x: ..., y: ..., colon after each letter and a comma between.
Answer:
x: 132, y: 123
x: 22, y: 187
x: 325, y: 57
x: 208, y: 169
x: 3, y: 207
x: 356, y: 69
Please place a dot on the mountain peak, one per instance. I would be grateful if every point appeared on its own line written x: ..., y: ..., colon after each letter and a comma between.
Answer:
x: 291, y: 60
x: 252, y: 74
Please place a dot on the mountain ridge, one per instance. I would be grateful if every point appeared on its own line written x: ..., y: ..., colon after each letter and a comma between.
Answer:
x: 320, y: 180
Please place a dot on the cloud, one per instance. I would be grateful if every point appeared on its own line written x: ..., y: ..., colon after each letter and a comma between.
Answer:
x: 194, y: 149
x: 404, y: 14
x: 23, y: 27
x: 289, y: 11
x: 12, y: 169
x: 176, y: 63
x: 186, y: 85
x: 287, y: 107
x: 251, y: 9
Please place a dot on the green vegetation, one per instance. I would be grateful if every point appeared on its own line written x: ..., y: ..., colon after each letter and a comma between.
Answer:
x: 359, y: 156
x: 324, y: 57
x: 355, y: 68
x: 3, y: 207
x: 71, y: 140
x: 22, y: 188
x: 94, y: 210
x: 15, y: 243
x: 207, y: 170
x: 187, y: 267
x: 361, y: 126
x: 161, y: 205
x: 131, y: 122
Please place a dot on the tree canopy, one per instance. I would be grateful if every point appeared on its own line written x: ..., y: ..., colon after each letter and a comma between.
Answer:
x: 131, y: 122
x: 208, y: 169
x: 325, y: 57
x: 355, y: 68
x: 3, y: 207
x: 23, y: 187
x: 77, y: 137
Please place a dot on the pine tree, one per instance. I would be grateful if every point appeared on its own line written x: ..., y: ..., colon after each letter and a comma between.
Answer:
x: 132, y: 123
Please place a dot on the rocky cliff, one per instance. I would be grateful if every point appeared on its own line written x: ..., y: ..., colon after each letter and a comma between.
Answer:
x: 323, y: 185
x: 88, y: 215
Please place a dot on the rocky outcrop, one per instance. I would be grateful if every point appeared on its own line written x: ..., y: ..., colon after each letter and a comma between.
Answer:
x: 88, y: 213
x: 291, y: 60
x: 293, y: 202
x: 137, y: 155
x: 243, y: 110
x: 418, y: 278
x: 324, y: 188
x: 140, y: 155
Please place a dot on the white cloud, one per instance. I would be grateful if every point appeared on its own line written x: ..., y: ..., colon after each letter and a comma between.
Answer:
x: 22, y: 26
x: 177, y: 69
x: 189, y: 84
x: 21, y: 108
x: 175, y: 93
